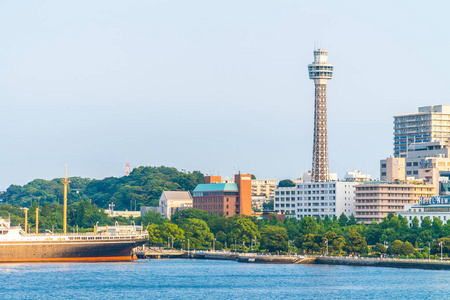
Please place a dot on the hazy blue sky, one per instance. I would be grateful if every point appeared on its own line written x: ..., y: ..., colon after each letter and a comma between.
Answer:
x: 203, y: 85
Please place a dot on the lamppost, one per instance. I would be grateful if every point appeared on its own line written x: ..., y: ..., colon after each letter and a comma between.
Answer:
x: 326, y: 242
x: 440, y: 243
x: 235, y: 245
x: 429, y: 250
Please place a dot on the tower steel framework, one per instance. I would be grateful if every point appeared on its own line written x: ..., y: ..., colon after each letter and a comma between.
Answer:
x: 320, y: 71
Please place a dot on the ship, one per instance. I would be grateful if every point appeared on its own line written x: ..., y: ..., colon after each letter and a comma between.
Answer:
x: 105, y: 244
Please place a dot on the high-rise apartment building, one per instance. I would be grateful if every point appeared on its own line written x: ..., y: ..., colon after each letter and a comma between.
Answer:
x: 429, y: 124
x: 320, y: 71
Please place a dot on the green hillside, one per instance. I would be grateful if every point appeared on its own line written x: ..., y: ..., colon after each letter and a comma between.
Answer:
x: 142, y: 187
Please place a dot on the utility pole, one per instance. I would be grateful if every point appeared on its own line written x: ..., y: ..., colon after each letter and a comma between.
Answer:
x: 66, y: 183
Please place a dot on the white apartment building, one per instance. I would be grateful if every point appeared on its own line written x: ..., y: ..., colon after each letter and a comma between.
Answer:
x: 429, y: 124
x: 356, y: 176
x: 316, y: 199
x: 436, y: 207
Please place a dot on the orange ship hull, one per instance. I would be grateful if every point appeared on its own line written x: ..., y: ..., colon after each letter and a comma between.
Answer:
x: 69, y: 251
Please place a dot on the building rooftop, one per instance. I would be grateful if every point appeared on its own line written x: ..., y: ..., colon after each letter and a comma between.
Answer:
x: 409, y: 183
x: 217, y: 187
x: 177, y: 195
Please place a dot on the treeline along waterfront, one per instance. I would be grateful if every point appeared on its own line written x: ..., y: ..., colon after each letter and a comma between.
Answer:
x: 196, y: 229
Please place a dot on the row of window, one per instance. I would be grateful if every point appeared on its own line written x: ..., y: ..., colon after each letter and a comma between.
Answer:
x: 282, y: 199
x: 206, y: 200
x: 311, y: 192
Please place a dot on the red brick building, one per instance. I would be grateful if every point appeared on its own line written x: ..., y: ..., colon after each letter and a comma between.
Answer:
x: 225, y: 199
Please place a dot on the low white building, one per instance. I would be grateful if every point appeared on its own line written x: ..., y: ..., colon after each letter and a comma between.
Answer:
x: 356, y: 176
x: 171, y: 202
x: 436, y: 207
x: 316, y: 199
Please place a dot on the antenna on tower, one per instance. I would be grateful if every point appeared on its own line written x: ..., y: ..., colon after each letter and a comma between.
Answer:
x: 127, y: 169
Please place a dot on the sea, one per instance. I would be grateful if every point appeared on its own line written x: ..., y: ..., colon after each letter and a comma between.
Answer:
x: 213, y: 279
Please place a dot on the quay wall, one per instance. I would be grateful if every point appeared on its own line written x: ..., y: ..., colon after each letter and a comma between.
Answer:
x: 389, y: 263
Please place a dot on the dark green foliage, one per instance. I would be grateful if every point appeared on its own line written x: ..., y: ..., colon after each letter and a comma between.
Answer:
x: 274, y: 239
x: 142, y: 187
x: 286, y: 183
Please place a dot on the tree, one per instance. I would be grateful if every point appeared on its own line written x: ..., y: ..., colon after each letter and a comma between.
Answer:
x: 308, y: 242
x: 286, y: 183
x: 243, y: 230
x: 407, y: 248
x: 415, y: 223
x: 426, y: 223
x: 356, y: 243
x: 379, y: 247
x: 268, y: 205
x: 308, y: 225
x: 152, y: 217
x: 197, y: 231
x: 171, y: 232
x: 191, y: 213
x: 395, y: 247
x: 437, y: 227
x: 426, y: 237
x: 154, y: 235
x: 351, y: 220
x: 343, y: 220
x: 335, y: 242
x: 274, y: 239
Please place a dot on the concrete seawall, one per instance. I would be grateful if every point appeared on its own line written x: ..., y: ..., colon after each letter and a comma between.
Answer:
x: 213, y: 255
x: 266, y: 259
x: 389, y: 263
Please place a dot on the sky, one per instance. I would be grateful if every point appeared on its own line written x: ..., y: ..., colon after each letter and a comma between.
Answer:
x: 209, y: 85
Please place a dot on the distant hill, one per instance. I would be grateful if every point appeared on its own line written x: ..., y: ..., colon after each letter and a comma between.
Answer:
x: 142, y: 187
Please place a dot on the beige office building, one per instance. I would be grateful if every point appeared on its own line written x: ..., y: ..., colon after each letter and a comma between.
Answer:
x: 375, y: 200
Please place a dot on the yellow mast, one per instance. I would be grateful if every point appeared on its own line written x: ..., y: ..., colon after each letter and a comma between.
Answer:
x: 37, y: 220
x: 26, y: 219
x: 66, y: 183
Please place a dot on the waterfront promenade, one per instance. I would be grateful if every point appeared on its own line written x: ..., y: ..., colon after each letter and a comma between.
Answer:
x: 300, y: 259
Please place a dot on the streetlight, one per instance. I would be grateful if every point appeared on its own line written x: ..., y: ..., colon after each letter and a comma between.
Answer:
x: 214, y: 244
x: 235, y: 245
x: 326, y: 242
x: 429, y: 250
x: 440, y: 243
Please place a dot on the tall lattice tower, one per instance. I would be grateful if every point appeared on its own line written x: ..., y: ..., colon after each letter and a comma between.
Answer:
x: 320, y: 71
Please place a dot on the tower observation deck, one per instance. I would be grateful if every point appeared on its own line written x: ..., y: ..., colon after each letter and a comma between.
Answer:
x: 320, y: 71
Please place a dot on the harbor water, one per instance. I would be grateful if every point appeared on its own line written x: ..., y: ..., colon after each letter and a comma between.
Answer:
x: 207, y: 279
